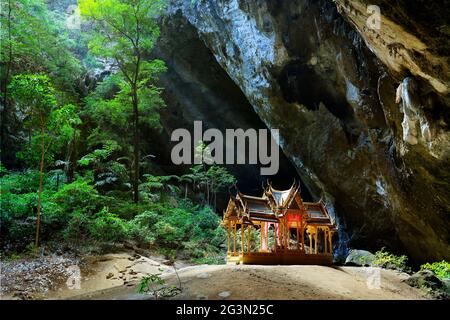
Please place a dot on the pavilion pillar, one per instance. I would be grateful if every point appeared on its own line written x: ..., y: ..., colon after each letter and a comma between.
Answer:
x: 325, y: 239
x: 242, y: 238
x: 275, y: 236
x: 310, y: 242
x: 298, y: 235
x: 249, y: 229
x: 315, y: 241
x: 228, y: 238
x: 330, y: 241
x: 302, y: 235
x: 264, y: 234
x: 286, y: 234
x: 260, y: 237
x: 234, y: 238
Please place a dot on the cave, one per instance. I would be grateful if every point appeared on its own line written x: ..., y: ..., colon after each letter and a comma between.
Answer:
x: 358, y: 94
x: 198, y: 88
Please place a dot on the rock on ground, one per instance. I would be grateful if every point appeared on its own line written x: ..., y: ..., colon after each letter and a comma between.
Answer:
x: 427, y: 281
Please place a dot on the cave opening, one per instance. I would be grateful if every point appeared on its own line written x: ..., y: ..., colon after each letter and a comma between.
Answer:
x: 207, y: 93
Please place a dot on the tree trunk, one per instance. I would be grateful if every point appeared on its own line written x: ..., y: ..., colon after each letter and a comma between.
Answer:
x: 136, y: 147
x: 71, y: 160
x: 41, y: 173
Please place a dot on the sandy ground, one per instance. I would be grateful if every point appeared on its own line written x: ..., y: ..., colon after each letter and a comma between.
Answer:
x: 115, y: 276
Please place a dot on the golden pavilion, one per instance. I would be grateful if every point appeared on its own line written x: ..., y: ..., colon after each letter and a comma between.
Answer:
x: 278, y: 228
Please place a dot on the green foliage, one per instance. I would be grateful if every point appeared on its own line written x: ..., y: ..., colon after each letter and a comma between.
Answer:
x: 121, y: 26
x: 210, y: 180
x: 35, y: 96
x: 188, y: 230
x: 78, y: 213
x: 440, y: 268
x: 76, y: 228
x: 47, y: 122
x: 93, y: 206
x: 156, y: 188
x: 150, y: 283
x: 388, y: 260
x: 88, y: 166
x: 125, y: 31
x: 79, y: 196
x: 140, y: 228
x: 34, y: 39
x: 19, y: 201
x: 96, y: 157
x: 107, y: 226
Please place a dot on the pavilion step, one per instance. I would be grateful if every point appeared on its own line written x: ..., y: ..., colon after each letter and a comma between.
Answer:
x: 234, y: 259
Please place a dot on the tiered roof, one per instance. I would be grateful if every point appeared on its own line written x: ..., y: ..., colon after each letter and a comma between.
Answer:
x: 273, y: 204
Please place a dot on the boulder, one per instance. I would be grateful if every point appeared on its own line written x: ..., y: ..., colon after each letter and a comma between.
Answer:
x: 359, y: 258
x: 426, y: 280
x: 224, y: 294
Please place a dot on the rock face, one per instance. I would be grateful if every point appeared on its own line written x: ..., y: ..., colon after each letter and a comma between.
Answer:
x: 196, y: 87
x: 328, y: 80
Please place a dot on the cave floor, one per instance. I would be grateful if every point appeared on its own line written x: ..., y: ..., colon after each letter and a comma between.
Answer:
x: 115, y: 276
x: 296, y: 282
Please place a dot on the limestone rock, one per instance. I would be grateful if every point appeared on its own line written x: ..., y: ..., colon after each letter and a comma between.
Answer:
x: 429, y: 282
x: 224, y: 294
x: 316, y: 72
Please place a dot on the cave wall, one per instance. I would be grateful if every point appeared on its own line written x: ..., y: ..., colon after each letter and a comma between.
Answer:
x: 312, y: 70
x: 197, y: 88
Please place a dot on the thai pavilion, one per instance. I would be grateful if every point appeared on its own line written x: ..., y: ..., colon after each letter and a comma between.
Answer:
x: 278, y: 228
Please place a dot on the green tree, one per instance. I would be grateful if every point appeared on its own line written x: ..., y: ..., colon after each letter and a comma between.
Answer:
x: 125, y: 32
x: 212, y: 178
x: 50, y: 126
x: 32, y: 39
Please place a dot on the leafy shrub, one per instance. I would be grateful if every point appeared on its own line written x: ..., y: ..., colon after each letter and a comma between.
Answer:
x: 140, y: 227
x: 188, y: 230
x: 21, y: 182
x: 77, y: 213
x: 441, y: 269
x: 77, y: 227
x: 19, y: 202
x: 211, y: 259
x: 106, y: 226
x: 79, y: 196
x: 174, y: 227
x: 388, y: 260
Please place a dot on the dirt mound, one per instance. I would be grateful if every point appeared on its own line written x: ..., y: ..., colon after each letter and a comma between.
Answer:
x: 116, y: 276
x: 278, y: 282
